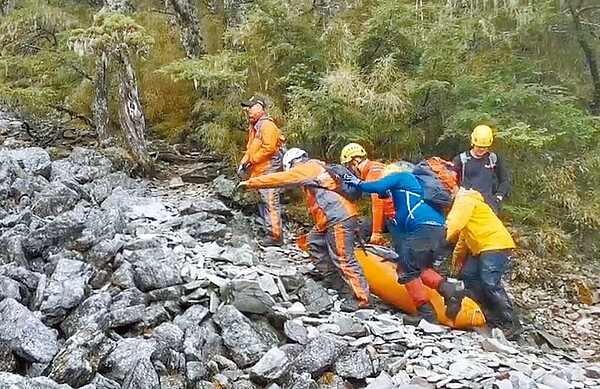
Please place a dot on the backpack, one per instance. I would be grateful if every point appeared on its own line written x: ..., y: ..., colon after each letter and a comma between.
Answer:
x: 337, y: 172
x: 438, y: 179
x: 464, y: 158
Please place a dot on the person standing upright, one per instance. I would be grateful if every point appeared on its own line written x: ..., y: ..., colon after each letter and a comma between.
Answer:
x: 482, y: 169
x: 264, y: 155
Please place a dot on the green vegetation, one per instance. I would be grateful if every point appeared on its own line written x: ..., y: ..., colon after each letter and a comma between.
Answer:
x: 407, y: 79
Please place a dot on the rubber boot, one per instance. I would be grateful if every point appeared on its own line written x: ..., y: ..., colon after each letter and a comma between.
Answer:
x: 427, y: 312
x: 453, y: 293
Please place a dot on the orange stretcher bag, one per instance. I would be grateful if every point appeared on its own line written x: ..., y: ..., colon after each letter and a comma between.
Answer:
x: 382, y: 277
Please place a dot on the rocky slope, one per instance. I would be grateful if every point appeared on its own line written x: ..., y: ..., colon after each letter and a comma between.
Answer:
x: 109, y: 282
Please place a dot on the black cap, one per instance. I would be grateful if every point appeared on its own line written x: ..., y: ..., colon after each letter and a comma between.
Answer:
x: 256, y: 99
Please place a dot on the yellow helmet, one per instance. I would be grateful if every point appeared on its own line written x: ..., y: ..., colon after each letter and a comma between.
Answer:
x: 397, y: 167
x: 482, y: 136
x: 350, y: 151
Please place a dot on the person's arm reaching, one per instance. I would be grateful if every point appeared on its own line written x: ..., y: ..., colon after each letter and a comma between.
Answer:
x: 294, y: 176
x: 503, y: 179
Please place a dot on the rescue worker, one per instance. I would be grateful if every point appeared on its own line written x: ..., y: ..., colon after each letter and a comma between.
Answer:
x: 332, y: 238
x: 481, y: 169
x: 474, y: 226
x: 263, y: 156
x: 354, y: 156
x: 424, y: 237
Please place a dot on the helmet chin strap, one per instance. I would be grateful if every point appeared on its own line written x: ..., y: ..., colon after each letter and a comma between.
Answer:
x: 362, y: 164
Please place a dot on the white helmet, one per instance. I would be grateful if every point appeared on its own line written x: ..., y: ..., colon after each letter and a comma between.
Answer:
x: 291, y: 156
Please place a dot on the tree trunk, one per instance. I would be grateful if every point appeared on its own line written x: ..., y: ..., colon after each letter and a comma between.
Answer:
x: 130, y: 112
x: 235, y: 11
x: 100, y: 104
x: 186, y: 15
x: 590, y: 56
x: 123, y: 6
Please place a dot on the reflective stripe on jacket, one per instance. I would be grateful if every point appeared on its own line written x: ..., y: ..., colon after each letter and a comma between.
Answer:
x: 326, y: 206
x: 381, y: 209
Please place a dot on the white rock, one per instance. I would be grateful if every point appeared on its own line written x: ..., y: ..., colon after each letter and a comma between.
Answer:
x: 383, y: 381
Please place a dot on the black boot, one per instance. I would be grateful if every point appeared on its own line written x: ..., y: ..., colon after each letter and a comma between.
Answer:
x: 453, y: 294
x: 427, y: 312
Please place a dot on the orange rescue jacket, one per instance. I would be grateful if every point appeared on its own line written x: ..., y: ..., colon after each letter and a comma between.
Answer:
x: 262, y: 150
x: 326, y: 206
x: 381, y: 209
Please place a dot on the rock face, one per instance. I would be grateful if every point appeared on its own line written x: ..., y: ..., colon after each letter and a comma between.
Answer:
x: 109, y: 282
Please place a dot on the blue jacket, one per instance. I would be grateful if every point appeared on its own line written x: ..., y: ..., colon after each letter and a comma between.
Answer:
x: 411, y: 211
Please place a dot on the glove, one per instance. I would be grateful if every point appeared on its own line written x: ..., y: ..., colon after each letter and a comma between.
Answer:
x: 499, y: 198
x: 384, y: 195
x: 242, y: 170
x: 352, y: 180
x: 377, y: 238
x: 242, y: 184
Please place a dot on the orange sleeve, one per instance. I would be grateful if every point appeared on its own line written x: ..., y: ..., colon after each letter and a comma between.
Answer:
x: 268, y: 145
x: 294, y: 176
x: 251, y: 136
x: 377, y: 209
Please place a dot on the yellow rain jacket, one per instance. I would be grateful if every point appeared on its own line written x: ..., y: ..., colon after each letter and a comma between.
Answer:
x: 474, y: 227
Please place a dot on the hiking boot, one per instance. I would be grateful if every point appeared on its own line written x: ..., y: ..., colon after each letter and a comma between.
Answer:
x: 427, y: 312
x: 453, y: 294
x: 270, y: 241
x: 352, y: 305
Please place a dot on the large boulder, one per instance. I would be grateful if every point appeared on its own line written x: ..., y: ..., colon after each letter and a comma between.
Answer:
x: 25, y: 333
x: 245, y: 344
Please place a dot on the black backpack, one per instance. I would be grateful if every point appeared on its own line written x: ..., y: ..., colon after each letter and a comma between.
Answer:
x: 337, y: 172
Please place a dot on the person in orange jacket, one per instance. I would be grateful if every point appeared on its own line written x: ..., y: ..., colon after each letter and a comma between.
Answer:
x: 263, y: 156
x: 332, y: 238
x: 354, y: 156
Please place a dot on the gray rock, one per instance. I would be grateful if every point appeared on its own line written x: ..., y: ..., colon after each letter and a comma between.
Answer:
x: 212, y: 205
x: 272, y: 366
x: 135, y: 206
x: 208, y: 230
x: 103, y: 187
x: 202, y: 344
x: 241, y: 256
x: 123, y: 276
x: 169, y: 334
x: 169, y: 293
x: 240, y: 337
x: 315, y: 297
x: 123, y: 360
x: 125, y: 316
x: 248, y: 296
x: 101, y: 225
x: 82, y: 165
x: 23, y: 217
x: 295, y: 331
x: 150, y: 274
x: 383, y: 381
x: 103, y: 252
x: 592, y: 371
x: 8, y: 361
x: 33, y: 160
x: 65, y: 289
x: 194, y: 315
x: 26, y: 277
x: 128, y: 298
x: 354, y: 364
x: 303, y: 381
x: 155, y: 314
x: 92, y: 310
x: 55, y: 199
x: 320, y: 353
x: 521, y: 381
x: 555, y: 382
x: 13, y: 381
x: 27, y: 336
x: 101, y: 382
x: 502, y: 384
x: 348, y: 325
x: 78, y: 361
x: 61, y: 229
x: 10, y: 288
x: 11, y: 247
x: 142, y: 376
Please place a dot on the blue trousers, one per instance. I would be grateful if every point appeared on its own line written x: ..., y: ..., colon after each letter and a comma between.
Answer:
x: 482, y: 276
